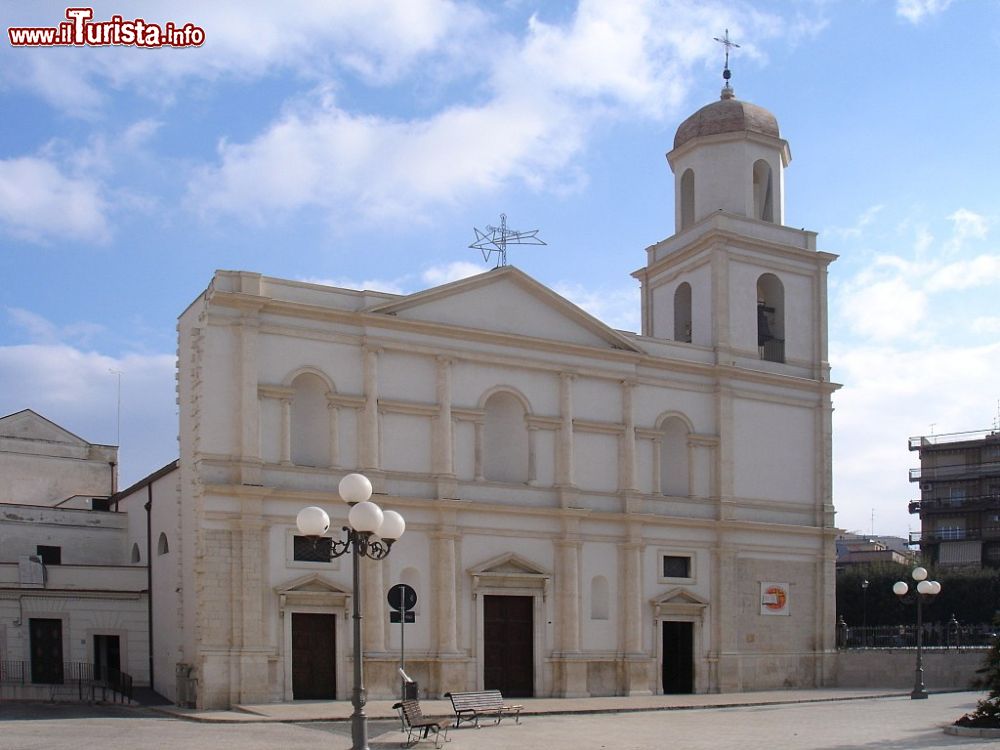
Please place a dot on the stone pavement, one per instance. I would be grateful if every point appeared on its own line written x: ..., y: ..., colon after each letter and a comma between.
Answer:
x: 789, y: 720
x: 382, y: 709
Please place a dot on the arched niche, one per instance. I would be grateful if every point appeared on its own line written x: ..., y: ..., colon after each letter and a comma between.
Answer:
x: 162, y: 545
x: 687, y: 198
x: 682, y: 313
x: 505, y: 438
x: 674, y: 458
x: 763, y: 191
x: 600, y: 599
x: 771, y: 318
x: 310, y: 421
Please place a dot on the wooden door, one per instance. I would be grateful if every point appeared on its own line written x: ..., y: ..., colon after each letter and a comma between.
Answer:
x: 508, y: 645
x: 314, y: 673
x: 678, y: 657
x: 46, y: 651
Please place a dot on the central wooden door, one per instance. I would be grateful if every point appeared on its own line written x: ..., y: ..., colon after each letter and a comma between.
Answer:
x: 678, y: 657
x: 509, y: 645
x: 46, y: 651
x: 314, y: 673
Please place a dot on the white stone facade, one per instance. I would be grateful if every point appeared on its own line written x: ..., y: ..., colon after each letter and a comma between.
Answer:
x: 652, y: 500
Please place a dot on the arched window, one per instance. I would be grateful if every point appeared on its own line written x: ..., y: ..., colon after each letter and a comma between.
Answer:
x: 771, y: 318
x: 682, y: 313
x: 310, y: 422
x: 135, y: 554
x: 505, y: 442
x: 687, y: 198
x: 162, y: 547
x: 599, y: 598
x: 674, y: 474
x: 763, y: 192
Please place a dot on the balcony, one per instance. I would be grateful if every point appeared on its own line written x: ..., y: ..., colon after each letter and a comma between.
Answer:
x: 948, y: 504
x: 955, y: 472
x: 926, y: 441
x: 935, y: 536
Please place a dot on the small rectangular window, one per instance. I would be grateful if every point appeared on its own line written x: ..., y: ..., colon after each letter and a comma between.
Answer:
x: 309, y: 549
x: 676, y: 566
x: 50, y: 555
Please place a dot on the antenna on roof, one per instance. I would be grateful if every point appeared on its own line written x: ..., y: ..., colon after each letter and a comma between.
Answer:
x: 496, y: 239
x: 725, y: 41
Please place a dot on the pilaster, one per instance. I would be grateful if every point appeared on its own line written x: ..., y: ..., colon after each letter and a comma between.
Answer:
x: 369, y: 414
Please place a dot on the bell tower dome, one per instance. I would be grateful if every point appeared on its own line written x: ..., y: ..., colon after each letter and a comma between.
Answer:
x: 729, y: 156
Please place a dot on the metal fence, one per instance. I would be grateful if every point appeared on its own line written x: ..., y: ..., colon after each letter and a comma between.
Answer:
x: 936, y: 635
x: 77, y: 679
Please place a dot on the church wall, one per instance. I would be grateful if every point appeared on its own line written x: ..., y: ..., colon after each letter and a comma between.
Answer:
x: 771, y: 458
x: 471, y: 380
x: 218, y: 424
x: 594, y: 460
x: 406, y: 443
x: 407, y: 377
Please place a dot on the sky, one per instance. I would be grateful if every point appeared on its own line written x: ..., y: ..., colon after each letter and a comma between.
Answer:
x: 359, y: 143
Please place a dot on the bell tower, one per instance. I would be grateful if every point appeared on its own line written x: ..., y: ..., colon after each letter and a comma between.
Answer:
x: 733, y: 278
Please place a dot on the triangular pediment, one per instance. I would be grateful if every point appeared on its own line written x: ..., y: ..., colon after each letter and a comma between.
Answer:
x: 506, y: 301
x: 508, y: 564
x: 680, y: 596
x: 30, y: 425
x: 313, y: 583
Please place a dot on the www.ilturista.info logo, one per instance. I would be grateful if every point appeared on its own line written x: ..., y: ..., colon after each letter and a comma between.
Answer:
x: 80, y: 30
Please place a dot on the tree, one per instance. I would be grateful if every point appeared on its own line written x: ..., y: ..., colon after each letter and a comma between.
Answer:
x: 987, y: 712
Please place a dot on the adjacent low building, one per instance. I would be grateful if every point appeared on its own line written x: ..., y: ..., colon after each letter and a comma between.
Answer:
x: 72, y: 602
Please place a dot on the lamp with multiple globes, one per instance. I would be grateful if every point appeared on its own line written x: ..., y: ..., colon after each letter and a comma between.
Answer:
x: 924, y: 590
x: 371, y: 533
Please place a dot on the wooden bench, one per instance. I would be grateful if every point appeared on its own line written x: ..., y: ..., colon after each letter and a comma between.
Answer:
x: 419, y: 726
x: 469, y: 706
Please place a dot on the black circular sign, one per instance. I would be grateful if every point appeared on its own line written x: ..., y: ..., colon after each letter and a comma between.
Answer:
x: 402, y: 597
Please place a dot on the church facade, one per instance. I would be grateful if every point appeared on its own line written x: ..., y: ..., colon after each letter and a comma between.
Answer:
x: 589, y: 511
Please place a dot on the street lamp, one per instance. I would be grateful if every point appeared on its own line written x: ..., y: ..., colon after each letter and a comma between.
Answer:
x: 864, y: 612
x: 371, y: 534
x: 925, y: 590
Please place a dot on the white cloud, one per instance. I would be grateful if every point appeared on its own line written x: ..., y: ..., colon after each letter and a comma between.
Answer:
x: 966, y: 225
x: 73, y: 387
x: 982, y: 270
x: 40, y: 201
x: 377, y: 40
x: 890, y: 395
x: 884, y: 309
x: 863, y: 221
x: 916, y: 11
x: 532, y: 114
x: 390, y: 286
x: 618, y: 307
x: 459, y: 269
x: 41, y: 330
x: 986, y: 324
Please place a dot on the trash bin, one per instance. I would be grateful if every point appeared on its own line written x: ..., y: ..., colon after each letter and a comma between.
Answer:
x: 410, y: 690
